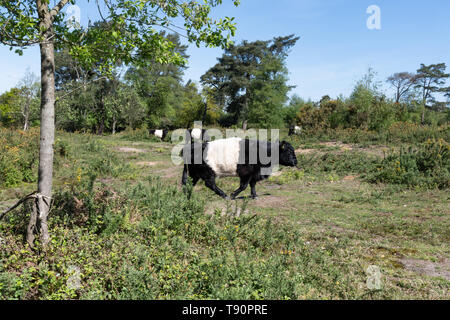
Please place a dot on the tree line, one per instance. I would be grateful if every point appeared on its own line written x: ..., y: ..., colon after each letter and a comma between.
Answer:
x: 249, y: 83
x: 415, y: 99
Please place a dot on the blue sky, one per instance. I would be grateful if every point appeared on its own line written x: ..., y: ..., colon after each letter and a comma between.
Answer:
x: 335, y: 48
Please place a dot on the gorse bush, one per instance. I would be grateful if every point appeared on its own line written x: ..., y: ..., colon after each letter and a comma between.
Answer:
x: 18, y: 156
x: 397, y: 132
x: 82, y: 205
x: 410, y: 132
x: 340, y: 163
x: 428, y: 166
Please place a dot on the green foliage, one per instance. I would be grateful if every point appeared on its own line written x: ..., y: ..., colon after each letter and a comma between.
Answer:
x: 398, y: 132
x: 369, y: 111
x: 362, y: 110
x: 98, y: 105
x: 430, y: 79
x: 426, y: 166
x: 130, y: 26
x: 10, y: 107
x: 250, y: 81
x: 288, y: 176
x: 148, y: 241
x: 192, y: 109
x: 269, y: 94
x: 18, y: 156
x: 141, y: 134
x: 160, y: 87
x: 127, y: 35
x: 145, y: 239
x: 341, y: 163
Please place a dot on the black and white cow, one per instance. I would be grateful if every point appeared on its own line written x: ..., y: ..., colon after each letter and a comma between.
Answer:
x: 161, y: 133
x: 250, y: 160
x: 294, y: 130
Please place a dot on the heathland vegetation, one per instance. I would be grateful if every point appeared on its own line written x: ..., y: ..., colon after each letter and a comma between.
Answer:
x: 371, y: 186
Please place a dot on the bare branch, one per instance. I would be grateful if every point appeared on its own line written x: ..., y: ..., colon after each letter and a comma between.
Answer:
x: 85, y: 84
x: 54, y: 12
x: 30, y: 196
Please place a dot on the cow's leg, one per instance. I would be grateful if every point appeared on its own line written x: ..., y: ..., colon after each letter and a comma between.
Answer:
x: 184, y: 178
x: 210, y: 182
x: 242, y: 187
x: 185, y: 175
x: 195, y: 180
x: 253, y: 187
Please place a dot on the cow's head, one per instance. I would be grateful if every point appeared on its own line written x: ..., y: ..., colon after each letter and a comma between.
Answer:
x: 287, y: 155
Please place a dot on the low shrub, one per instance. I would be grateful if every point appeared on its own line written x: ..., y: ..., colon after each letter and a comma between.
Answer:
x: 341, y: 163
x: 141, y: 134
x: 398, y: 132
x: 149, y: 241
x: 426, y: 166
x: 18, y: 156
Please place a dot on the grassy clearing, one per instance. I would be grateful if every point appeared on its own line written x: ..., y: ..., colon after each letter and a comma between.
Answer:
x: 120, y: 218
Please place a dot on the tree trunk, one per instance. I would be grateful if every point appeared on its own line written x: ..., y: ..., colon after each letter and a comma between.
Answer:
x: 101, y: 125
x: 47, y: 135
x: 26, y: 126
x: 26, y: 117
x: 205, y: 112
x: 423, y: 115
x: 424, y: 102
x: 114, y: 125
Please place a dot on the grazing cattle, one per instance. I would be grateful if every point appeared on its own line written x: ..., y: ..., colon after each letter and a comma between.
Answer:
x: 250, y: 160
x: 294, y: 130
x: 161, y: 133
x: 197, y: 134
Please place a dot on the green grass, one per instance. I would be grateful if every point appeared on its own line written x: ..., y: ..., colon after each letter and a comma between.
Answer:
x: 120, y: 217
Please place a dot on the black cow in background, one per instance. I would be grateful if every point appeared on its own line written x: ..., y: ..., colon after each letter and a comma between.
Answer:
x: 294, y: 130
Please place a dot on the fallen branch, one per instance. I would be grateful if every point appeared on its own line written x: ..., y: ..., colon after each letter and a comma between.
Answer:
x: 33, y: 195
x: 35, y: 217
x: 30, y: 196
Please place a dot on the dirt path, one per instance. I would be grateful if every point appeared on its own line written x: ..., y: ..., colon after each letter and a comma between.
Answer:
x: 432, y: 269
x: 131, y: 150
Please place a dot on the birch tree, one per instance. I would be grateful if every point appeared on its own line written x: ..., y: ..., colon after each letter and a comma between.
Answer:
x: 132, y: 36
